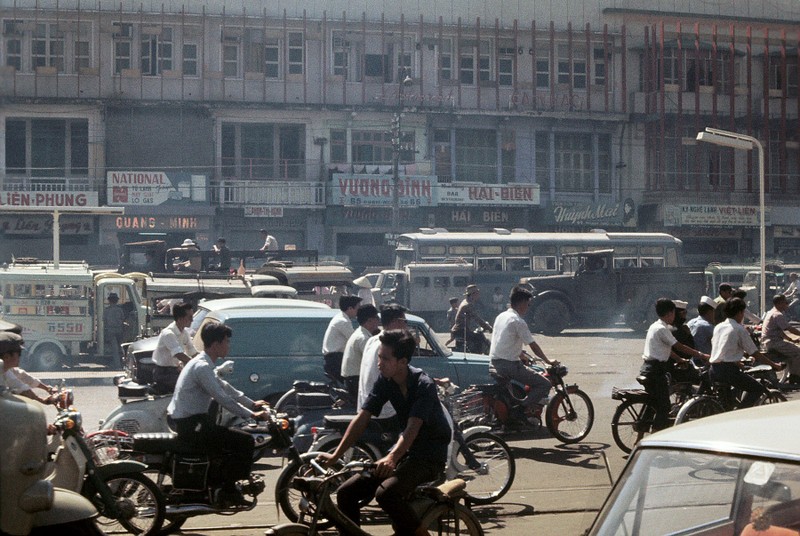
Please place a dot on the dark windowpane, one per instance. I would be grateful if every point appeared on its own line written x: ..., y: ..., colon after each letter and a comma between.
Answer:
x: 48, y: 147
x: 79, y: 143
x: 15, y: 147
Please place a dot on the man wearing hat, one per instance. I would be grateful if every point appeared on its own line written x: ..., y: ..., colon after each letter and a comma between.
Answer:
x: 114, y: 322
x: 364, y: 290
x: 17, y: 380
x: 702, y: 326
x: 270, y: 243
x: 339, y: 331
x: 193, y: 262
x: 467, y: 320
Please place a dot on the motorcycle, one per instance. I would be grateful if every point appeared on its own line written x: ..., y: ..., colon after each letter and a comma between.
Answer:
x: 185, y: 474
x: 29, y: 503
x: 475, y: 342
x: 123, y: 495
x: 568, y: 414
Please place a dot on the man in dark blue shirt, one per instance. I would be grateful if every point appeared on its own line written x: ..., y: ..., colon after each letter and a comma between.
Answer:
x: 420, y: 453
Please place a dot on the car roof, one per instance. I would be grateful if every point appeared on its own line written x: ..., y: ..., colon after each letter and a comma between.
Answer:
x: 772, y: 430
x: 305, y: 312
x: 266, y: 303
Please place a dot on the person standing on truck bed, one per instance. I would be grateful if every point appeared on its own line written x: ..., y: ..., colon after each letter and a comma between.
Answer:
x: 270, y: 243
x: 658, y: 349
x: 223, y: 254
x: 114, y: 322
x: 725, y: 294
x: 339, y: 331
x: 174, y: 349
x: 467, y: 320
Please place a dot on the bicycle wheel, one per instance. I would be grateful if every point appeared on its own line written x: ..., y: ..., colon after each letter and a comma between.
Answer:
x: 441, y: 519
x: 570, y: 416
x: 772, y: 396
x: 632, y: 420
x: 495, y: 475
x: 697, y: 408
x: 139, y: 502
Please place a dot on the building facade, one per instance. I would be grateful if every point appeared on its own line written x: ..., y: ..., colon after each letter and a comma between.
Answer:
x: 335, y: 128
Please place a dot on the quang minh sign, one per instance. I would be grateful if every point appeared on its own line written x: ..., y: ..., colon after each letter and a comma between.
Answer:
x: 140, y: 188
x: 363, y: 190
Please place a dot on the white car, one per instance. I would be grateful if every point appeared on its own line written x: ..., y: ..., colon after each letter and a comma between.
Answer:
x: 734, y: 474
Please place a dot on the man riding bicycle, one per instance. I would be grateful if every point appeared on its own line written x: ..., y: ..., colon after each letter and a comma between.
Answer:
x: 775, y: 337
x: 511, y: 333
x: 421, y: 451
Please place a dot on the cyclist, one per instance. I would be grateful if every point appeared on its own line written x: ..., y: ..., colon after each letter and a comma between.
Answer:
x: 729, y: 343
x: 775, y: 336
x: 467, y: 319
x: 658, y: 350
x: 725, y: 293
x: 702, y: 326
x: 421, y: 451
x: 511, y: 333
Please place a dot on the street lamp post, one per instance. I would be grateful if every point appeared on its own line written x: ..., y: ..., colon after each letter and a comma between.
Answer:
x: 397, y: 148
x: 744, y: 142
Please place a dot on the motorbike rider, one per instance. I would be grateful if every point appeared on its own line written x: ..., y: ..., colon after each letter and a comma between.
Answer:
x: 511, y: 333
x: 174, y: 349
x: 658, y: 350
x: 730, y: 342
x: 17, y: 380
x: 197, y: 387
x: 775, y: 337
x: 339, y: 330
x: 467, y: 319
x: 420, y: 452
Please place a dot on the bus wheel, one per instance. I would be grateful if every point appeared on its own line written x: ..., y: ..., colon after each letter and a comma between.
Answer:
x: 551, y: 317
x: 48, y: 357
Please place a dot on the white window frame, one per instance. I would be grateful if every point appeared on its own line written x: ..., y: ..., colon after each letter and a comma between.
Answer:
x: 227, y: 62
x: 51, y: 39
x: 190, y: 60
x: 157, y: 50
x: 294, y: 65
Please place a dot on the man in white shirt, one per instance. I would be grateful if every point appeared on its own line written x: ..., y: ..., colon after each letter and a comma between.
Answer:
x: 174, y: 349
x: 775, y: 337
x: 270, y: 243
x: 17, y: 380
x: 393, y: 316
x: 197, y: 387
x: 728, y: 345
x: 658, y: 349
x: 339, y: 331
x: 510, y: 334
x: 368, y: 321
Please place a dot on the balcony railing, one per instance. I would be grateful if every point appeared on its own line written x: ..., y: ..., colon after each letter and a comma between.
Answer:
x: 284, y: 193
x: 268, y: 168
x: 48, y: 184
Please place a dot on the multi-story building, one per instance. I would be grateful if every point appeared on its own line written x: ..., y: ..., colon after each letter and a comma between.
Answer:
x: 305, y: 118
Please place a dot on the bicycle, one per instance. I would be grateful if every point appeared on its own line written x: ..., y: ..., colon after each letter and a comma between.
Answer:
x: 716, y: 397
x: 633, y: 419
x: 439, y: 507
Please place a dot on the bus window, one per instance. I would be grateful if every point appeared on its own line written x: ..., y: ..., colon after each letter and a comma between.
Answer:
x: 671, y: 258
x: 493, y: 264
x: 422, y: 282
x: 460, y: 281
x: 572, y: 249
x: 440, y: 251
x: 518, y: 250
x: 441, y: 281
x: 461, y: 250
x: 490, y: 250
x: 518, y: 264
x: 625, y: 262
x: 652, y: 261
x: 544, y: 264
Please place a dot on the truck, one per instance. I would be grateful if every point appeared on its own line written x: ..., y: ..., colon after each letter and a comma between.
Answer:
x: 591, y: 292
x: 61, y: 310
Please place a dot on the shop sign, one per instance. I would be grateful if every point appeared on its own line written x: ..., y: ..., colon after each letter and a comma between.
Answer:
x: 161, y: 223
x: 43, y: 225
x: 364, y: 190
x: 599, y: 214
x: 260, y: 211
x: 474, y: 217
x: 150, y: 188
x: 48, y: 199
x: 488, y: 194
x: 713, y: 215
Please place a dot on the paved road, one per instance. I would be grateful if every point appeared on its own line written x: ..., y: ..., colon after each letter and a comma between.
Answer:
x: 558, y: 488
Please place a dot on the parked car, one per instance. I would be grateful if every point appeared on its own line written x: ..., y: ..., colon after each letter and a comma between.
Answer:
x: 271, y: 348
x: 734, y: 474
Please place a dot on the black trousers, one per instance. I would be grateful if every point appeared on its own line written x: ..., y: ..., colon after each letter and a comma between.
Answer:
x: 391, y: 493
x: 333, y: 365
x: 657, y: 387
x: 234, y: 447
x: 165, y: 379
x: 731, y: 374
x: 351, y: 384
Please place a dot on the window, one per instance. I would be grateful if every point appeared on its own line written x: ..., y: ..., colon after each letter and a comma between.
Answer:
x: 341, y: 54
x: 38, y: 147
x: 122, y: 56
x: 505, y: 67
x: 254, y: 51
x: 296, y: 53
x: 338, y: 146
x: 12, y: 32
x: 517, y: 264
x: 47, y: 47
x: 375, y: 147
x: 377, y: 66
x: 776, y: 75
x: 473, y: 54
x: 543, y: 73
x: 543, y: 159
x: 79, y: 147
x: 190, y: 59
x: 446, y: 60
x: 476, y: 155
x: 15, y: 147
x: 421, y: 282
x: 508, y: 155
x: 156, y: 52
x: 82, y: 56
x: 404, y: 67
x: 572, y: 73
x: 573, y: 165
x: 599, y: 64
x: 272, y: 57
x: 441, y: 150
x: 230, y: 60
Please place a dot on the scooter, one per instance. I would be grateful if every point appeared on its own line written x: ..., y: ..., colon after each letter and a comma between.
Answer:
x: 29, y: 503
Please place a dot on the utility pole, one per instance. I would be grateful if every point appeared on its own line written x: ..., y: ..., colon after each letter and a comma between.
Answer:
x: 397, y: 147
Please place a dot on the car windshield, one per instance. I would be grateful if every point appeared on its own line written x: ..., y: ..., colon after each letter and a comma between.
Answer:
x: 199, y: 315
x: 681, y: 492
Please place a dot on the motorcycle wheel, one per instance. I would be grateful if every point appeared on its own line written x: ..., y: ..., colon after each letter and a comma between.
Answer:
x: 494, y: 478
x: 570, y: 421
x: 140, y: 502
x: 289, y: 498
